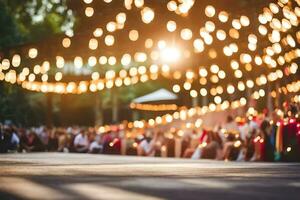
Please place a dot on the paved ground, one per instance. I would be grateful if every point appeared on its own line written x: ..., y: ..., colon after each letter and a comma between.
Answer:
x: 82, y: 176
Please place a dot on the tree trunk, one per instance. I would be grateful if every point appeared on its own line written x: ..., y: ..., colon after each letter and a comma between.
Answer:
x: 115, y: 109
x: 269, y: 99
x: 195, y: 101
x: 98, y: 109
x: 278, y: 96
x: 49, y: 114
x: 204, y: 101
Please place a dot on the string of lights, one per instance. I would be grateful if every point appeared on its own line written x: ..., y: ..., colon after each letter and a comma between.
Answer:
x: 184, y: 113
x: 276, y: 24
x: 153, y: 107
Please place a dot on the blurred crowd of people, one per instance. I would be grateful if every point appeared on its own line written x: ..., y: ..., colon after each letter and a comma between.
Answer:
x: 255, y: 137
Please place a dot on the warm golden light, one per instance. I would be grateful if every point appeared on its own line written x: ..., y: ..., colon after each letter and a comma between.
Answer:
x: 171, y: 54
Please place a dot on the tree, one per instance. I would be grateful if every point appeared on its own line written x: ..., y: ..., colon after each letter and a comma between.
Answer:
x: 22, y: 22
x: 32, y: 20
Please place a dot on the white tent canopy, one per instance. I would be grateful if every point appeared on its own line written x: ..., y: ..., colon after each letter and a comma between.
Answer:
x: 159, y: 95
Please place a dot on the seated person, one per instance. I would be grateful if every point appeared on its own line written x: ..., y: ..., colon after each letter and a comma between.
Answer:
x: 210, y: 148
x: 96, y: 146
x: 151, y: 147
x: 145, y: 148
x: 233, y: 133
x: 34, y: 143
x: 53, y: 141
x: 23, y: 140
x: 64, y: 142
x: 9, y: 140
x: 81, y: 142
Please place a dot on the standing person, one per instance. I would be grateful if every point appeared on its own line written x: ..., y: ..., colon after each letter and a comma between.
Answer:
x: 81, y: 142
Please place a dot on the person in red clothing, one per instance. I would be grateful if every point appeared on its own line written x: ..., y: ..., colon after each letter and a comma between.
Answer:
x: 189, y: 152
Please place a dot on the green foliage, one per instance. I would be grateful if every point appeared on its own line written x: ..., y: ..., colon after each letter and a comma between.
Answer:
x: 9, y: 34
x: 53, y: 19
x: 26, y: 21
x: 20, y: 108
